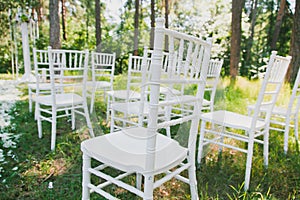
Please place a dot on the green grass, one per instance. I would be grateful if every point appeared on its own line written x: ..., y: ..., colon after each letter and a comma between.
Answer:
x: 31, y: 166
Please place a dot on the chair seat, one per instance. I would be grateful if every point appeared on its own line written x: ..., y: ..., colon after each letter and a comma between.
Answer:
x: 62, y: 100
x: 126, y: 150
x: 42, y: 86
x: 122, y: 94
x: 165, y: 90
x: 185, y: 99
x: 230, y: 119
x: 277, y: 110
x: 99, y: 84
x: 132, y: 108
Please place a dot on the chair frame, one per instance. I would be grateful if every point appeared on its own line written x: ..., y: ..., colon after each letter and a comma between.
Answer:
x: 103, y: 66
x: 213, y: 76
x: 60, y: 103
x: 252, y: 126
x: 286, y: 117
x: 151, y: 141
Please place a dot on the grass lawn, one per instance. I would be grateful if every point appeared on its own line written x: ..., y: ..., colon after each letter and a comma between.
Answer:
x: 29, y: 170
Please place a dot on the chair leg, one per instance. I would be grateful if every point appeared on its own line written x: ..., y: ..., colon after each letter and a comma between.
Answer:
x: 221, y: 139
x: 35, y: 112
x: 286, y: 135
x: 92, y: 100
x: 53, y: 130
x: 108, y: 110
x: 30, y: 99
x: 193, y: 182
x: 73, y: 122
x: 248, y: 164
x: 39, y: 122
x: 86, y: 164
x: 88, y: 120
x: 266, y: 148
x: 148, y: 187
x: 138, y: 181
x: 201, y: 140
x: 112, y: 121
x: 296, y: 127
x: 168, y: 117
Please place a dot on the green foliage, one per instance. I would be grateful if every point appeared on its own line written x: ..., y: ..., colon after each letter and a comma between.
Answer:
x: 263, y: 33
x: 194, y: 17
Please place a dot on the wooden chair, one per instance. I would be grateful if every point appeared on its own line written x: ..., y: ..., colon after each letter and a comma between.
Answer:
x: 227, y: 126
x: 68, y: 91
x: 144, y: 152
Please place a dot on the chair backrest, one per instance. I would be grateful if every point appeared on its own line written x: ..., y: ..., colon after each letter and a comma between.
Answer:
x: 41, y: 64
x: 136, y: 63
x: 71, y: 76
x: 134, y: 77
x: 213, y: 75
x: 103, y: 66
x: 135, y: 72
x: 187, y: 53
x: 294, y: 102
x: 271, y: 85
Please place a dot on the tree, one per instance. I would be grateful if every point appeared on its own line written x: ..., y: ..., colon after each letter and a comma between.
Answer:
x: 167, y: 12
x: 237, y: 6
x: 278, y: 23
x: 295, y: 46
x: 63, y: 19
x: 136, y: 28
x: 54, y: 24
x: 253, y: 14
x: 152, y: 17
x: 98, y: 25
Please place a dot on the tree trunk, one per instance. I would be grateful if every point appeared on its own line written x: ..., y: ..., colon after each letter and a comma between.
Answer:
x: 54, y: 24
x: 237, y: 6
x: 152, y: 17
x: 98, y: 25
x: 167, y: 23
x: 250, y: 39
x: 136, y: 28
x: 278, y: 24
x: 295, y: 46
x: 63, y: 19
x: 39, y: 10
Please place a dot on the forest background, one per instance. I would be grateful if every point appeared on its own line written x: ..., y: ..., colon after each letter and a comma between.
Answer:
x: 244, y: 32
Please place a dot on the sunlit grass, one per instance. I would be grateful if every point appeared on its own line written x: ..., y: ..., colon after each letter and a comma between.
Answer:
x: 28, y: 175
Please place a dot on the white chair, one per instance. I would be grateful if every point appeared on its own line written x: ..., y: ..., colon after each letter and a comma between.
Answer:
x: 213, y: 75
x: 68, y: 91
x: 40, y: 61
x: 41, y: 70
x: 134, y: 80
x: 224, y: 124
x: 133, y: 108
x: 103, y: 67
x: 128, y: 112
x: 132, y: 92
x: 285, y: 117
x: 143, y: 151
